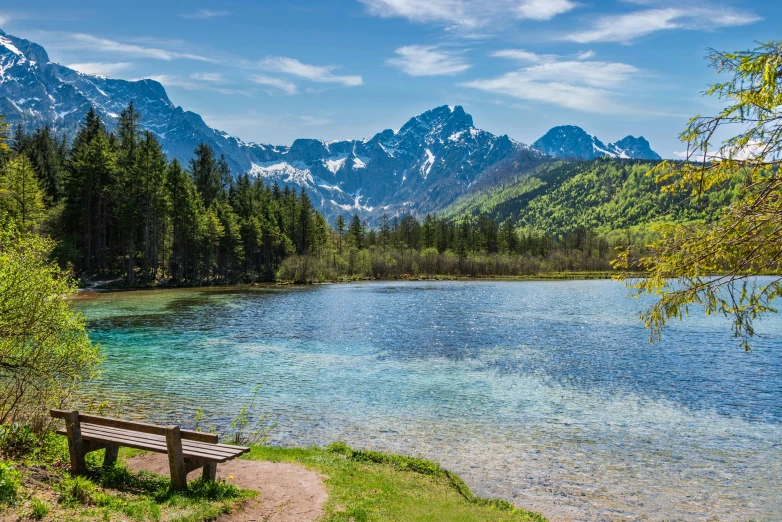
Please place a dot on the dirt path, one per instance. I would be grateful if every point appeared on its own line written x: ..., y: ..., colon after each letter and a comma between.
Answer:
x: 289, y: 492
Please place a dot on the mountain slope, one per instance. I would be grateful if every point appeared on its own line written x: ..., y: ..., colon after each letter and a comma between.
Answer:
x: 603, y: 194
x: 571, y: 142
x: 424, y: 166
x: 421, y: 167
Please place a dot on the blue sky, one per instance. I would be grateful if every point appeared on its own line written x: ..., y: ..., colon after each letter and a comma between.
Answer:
x: 271, y: 72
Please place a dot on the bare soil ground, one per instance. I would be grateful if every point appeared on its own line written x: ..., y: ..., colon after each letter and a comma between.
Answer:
x: 288, y: 492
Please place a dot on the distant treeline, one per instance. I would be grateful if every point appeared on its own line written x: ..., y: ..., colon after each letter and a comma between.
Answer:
x: 119, y: 209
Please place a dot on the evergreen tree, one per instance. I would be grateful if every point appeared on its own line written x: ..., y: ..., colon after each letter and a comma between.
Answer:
x: 340, y: 225
x: 88, y: 209
x: 21, y: 197
x: 356, y: 232
x: 206, y: 173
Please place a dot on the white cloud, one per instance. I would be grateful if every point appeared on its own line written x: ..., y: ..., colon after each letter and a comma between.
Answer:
x: 585, y: 55
x: 99, y: 68
x: 753, y: 150
x: 523, y: 56
x: 172, y: 80
x: 589, y: 86
x: 315, y: 73
x: 424, y: 60
x: 468, y: 13
x: 205, y: 13
x: 187, y: 83
x: 207, y: 77
x: 287, y: 87
x: 544, y: 9
x: 627, y: 27
x: 94, y: 43
x: 314, y: 121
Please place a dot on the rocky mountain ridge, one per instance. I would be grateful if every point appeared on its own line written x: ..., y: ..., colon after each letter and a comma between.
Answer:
x: 422, y: 167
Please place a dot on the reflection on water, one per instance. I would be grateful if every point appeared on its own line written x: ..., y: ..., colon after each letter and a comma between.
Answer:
x: 545, y: 393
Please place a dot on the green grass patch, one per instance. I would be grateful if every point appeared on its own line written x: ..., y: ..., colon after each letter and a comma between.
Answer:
x: 373, y: 486
x: 35, y: 483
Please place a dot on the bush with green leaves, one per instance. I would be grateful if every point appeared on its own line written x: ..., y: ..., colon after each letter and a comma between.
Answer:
x: 10, y: 481
x: 44, y: 348
x: 39, y: 509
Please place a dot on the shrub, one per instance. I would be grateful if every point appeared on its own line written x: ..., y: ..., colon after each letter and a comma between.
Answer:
x: 17, y: 440
x: 76, y: 490
x: 39, y: 509
x: 44, y: 348
x: 10, y: 481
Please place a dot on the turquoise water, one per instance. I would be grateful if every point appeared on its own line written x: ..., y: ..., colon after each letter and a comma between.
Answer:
x: 544, y: 393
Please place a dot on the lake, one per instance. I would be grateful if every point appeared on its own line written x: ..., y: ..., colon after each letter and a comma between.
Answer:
x: 547, y: 394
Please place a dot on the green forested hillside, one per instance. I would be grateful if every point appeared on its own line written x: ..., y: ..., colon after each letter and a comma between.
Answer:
x: 601, y: 195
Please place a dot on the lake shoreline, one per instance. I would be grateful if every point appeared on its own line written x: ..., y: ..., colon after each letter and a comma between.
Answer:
x: 114, y: 285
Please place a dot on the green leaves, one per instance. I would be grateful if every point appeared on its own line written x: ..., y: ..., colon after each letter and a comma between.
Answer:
x: 44, y: 348
x: 714, y: 265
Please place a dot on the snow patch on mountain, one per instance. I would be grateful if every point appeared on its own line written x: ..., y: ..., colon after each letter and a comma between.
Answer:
x: 333, y: 165
x: 426, y: 167
x: 289, y: 173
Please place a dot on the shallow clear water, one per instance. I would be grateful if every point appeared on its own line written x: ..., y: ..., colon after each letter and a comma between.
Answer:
x: 544, y: 393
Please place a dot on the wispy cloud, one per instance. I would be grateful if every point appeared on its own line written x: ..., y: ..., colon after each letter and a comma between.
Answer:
x: 204, y: 14
x: 207, y: 77
x: 628, y: 27
x: 191, y: 84
x: 94, y: 43
x: 468, y: 13
x: 426, y: 60
x: 588, y: 86
x: 100, y: 68
x: 314, y: 121
x: 523, y: 56
x: 544, y: 9
x: 277, y: 83
x: 315, y: 73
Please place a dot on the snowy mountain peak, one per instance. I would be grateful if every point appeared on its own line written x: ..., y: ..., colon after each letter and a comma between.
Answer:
x: 570, y: 141
x: 23, y: 48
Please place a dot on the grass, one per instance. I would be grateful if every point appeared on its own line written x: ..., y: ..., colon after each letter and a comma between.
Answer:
x: 38, y: 486
x: 362, y: 485
x: 371, y: 486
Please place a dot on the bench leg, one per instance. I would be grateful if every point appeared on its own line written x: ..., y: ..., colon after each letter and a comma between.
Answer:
x: 111, y: 456
x: 75, y: 444
x: 176, y: 458
x: 210, y: 471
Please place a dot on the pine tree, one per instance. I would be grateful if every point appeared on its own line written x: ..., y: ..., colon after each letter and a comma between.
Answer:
x: 152, y: 198
x: 385, y: 231
x: 339, y: 223
x: 88, y: 209
x: 356, y: 232
x: 206, y: 173
x: 128, y: 189
x: 21, y: 197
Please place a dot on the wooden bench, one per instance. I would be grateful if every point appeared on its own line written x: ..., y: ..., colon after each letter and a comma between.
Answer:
x: 187, y: 450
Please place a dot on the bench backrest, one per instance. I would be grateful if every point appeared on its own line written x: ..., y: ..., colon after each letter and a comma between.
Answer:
x: 136, y: 426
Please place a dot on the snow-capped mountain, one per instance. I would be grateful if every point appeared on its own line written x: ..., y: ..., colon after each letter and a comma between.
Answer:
x: 35, y: 91
x: 571, y: 142
x: 432, y: 159
x: 422, y: 167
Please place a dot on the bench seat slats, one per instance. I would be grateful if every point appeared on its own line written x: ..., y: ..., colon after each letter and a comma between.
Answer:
x: 217, y: 451
x: 214, y: 449
x: 132, y: 441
